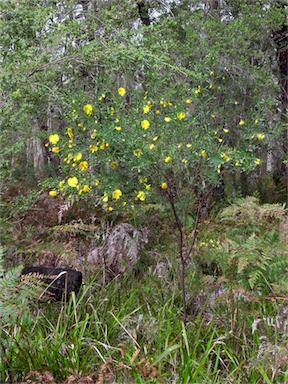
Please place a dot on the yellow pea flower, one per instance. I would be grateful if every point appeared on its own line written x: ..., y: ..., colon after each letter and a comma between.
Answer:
x: 189, y: 145
x: 78, y: 156
x: 145, y: 124
x: 118, y: 129
x: 54, y: 138
x: 257, y: 161
x: 140, y: 196
x: 188, y: 101
x: 146, y: 109
x: 184, y: 161
x: 164, y: 185
x: 225, y: 130
x: 198, y: 90
x: 56, y: 149
x: 203, y: 153
x: 148, y: 187
x: 53, y: 193
x: 168, y: 159
x: 86, y: 188
x: 122, y: 91
x: 93, y: 148
x: 137, y: 152
x: 113, y: 164
x: 97, y: 182
x: 167, y: 119
x: 181, y: 115
x: 70, y: 132
x: 241, y: 122
x: 105, y: 197
x: 72, y: 182
x: 117, y: 194
x: 83, y: 165
x: 88, y: 109
x: 260, y: 136
x: 151, y: 146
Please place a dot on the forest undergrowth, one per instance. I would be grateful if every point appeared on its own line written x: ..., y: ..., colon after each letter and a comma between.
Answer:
x: 126, y: 324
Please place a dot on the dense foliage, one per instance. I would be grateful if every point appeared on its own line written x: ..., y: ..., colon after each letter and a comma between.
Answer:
x: 128, y: 130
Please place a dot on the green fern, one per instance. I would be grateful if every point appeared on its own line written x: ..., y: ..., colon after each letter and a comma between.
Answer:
x: 16, y: 293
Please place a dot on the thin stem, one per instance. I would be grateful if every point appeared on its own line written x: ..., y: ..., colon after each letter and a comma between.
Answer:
x: 180, y: 250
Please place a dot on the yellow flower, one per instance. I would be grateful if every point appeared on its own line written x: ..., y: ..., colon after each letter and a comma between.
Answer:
x: 110, y: 209
x: 105, y: 197
x: 113, y: 164
x: 184, y: 161
x: 78, y: 156
x: 260, y: 136
x: 151, y: 146
x: 211, y: 86
x: 198, y: 90
x: 140, y: 196
x: 189, y: 145
x: 145, y: 124
x: 54, y: 138
x: 93, y: 148
x: 257, y: 161
x: 97, y: 182
x: 116, y: 194
x: 122, y: 91
x: 164, y: 185
x: 70, y: 132
x: 72, y: 182
x: 181, y: 115
x: 146, y: 108
x: 211, y: 73
x: 167, y: 119
x: 53, y: 193
x: 157, y: 112
x: 256, y: 121
x: 118, y: 129
x: 220, y: 140
x: 88, y: 109
x: 241, y: 122
x: 137, y: 152
x: 155, y: 138
x: 56, y: 149
x: 188, y: 101
x: 102, y: 97
x: 86, y: 188
x: 168, y: 159
x: 203, y: 153
x: 225, y: 130
x: 148, y: 187
x: 104, y: 145
x: 83, y: 165
x: 61, y: 184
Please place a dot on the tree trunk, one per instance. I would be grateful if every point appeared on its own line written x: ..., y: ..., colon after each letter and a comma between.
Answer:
x: 35, y: 151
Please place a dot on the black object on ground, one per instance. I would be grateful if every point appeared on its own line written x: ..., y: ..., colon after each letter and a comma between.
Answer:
x: 60, y: 281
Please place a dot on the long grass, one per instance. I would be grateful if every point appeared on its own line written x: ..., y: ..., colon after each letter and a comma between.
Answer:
x: 132, y: 331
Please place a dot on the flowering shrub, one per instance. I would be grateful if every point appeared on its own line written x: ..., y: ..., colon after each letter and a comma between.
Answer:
x: 124, y: 154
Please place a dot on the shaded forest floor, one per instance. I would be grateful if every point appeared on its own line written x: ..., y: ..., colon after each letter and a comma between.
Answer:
x: 125, y: 326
